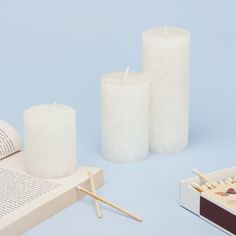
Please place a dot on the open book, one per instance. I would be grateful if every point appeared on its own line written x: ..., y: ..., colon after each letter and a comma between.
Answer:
x: 26, y: 200
x: 9, y: 140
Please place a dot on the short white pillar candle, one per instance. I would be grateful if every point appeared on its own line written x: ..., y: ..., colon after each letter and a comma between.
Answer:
x: 50, y: 140
x: 166, y: 59
x: 125, y: 116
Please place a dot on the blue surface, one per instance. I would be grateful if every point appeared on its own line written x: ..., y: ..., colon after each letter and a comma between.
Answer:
x: 58, y: 50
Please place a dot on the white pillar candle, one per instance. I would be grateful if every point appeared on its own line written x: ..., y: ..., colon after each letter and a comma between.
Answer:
x: 50, y: 140
x: 166, y: 59
x: 125, y: 116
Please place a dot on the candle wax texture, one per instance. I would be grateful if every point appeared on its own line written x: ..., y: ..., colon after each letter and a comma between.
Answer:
x: 50, y: 140
x: 166, y: 60
x: 125, y: 116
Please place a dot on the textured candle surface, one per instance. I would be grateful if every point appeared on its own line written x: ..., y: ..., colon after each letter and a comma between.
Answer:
x: 166, y: 59
x: 50, y: 140
x: 125, y: 116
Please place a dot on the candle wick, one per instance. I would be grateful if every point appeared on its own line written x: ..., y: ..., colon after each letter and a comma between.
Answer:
x: 165, y: 28
x: 126, y: 72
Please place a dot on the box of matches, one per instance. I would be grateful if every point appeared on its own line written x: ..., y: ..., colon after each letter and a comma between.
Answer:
x: 213, y: 200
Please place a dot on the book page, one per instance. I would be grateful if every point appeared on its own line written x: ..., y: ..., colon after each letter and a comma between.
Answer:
x: 9, y: 140
x: 18, y: 190
x: 26, y: 200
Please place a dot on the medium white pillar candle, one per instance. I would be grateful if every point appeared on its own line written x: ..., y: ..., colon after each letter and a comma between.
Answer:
x: 166, y: 59
x: 125, y: 116
x: 50, y: 140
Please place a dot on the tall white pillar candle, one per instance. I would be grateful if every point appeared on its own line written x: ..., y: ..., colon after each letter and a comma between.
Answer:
x: 125, y: 116
x: 166, y: 59
x: 50, y: 140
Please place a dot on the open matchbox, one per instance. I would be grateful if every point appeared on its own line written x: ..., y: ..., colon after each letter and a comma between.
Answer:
x: 212, y: 205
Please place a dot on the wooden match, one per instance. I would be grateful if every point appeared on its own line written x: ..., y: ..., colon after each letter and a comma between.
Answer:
x: 209, y: 185
x: 96, y: 202
x: 204, y: 177
x: 197, y: 187
x: 110, y: 203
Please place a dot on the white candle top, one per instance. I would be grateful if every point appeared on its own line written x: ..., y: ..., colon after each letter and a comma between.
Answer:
x: 49, y: 112
x: 123, y: 78
x: 167, y: 32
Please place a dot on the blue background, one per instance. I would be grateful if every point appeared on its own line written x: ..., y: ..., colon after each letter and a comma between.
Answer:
x: 58, y: 51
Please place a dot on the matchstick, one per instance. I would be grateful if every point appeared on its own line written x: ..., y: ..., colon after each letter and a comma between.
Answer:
x: 204, y: 177
x: 234, y: 180
x: 215, y: 183
x: 204, y: 187
x: 197, y: 187
x: 229, y: 180
x: 209, y: 185
x: 96, y: 202
x: 109, y: 203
